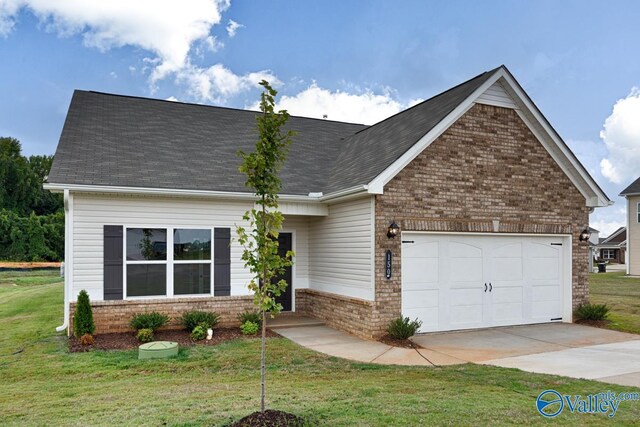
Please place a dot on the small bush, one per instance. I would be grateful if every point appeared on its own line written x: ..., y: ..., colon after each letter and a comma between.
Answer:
x: 249, y: 328
x: 250, y: 316
x: 86, y: 340
x: 402, y: 328
x: 592, y: 312
x: 199, y: 332
x: 191, y: 319
x: 152, y: 320
x: 145, y: 335
x: 83, y: 316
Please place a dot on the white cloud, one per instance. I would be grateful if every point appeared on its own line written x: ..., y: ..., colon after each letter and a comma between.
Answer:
x: 217, y: 83
x: 607, y: 226
x: 366, y: 107
x: 621, y: 135
x: 233, y: 27
x: 171, y: 31
x: 113, y: 75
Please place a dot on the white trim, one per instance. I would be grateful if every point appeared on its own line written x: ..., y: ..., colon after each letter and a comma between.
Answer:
x: 616, y: 233
x: 628, y: 251
x: 593, y: 195
x: 68, y: 258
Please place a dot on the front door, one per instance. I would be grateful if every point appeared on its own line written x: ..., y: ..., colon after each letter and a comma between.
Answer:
x: 285, y: 243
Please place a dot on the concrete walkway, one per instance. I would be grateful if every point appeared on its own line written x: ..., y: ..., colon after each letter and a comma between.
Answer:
x: 560, y: 349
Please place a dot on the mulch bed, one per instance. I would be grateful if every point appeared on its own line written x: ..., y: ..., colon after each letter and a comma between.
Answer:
x: 128, y: 340
x: 270, y: 418
x: 394, y: 342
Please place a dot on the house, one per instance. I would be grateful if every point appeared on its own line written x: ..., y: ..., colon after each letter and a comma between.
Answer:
x: 613, y: 248
x: 632, y: 194
x: 464, y: 211
x: 594, y: 239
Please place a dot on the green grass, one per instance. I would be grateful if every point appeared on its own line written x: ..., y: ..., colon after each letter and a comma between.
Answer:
x: 622, y: 295
x: 42, y: 384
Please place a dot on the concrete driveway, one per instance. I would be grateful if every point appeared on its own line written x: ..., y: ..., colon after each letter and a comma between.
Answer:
x: 556, y: 348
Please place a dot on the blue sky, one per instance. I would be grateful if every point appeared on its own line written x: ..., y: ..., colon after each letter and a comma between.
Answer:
x: 352, y: 60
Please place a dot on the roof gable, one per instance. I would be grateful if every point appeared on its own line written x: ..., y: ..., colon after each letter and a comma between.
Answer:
x: 633, y: 189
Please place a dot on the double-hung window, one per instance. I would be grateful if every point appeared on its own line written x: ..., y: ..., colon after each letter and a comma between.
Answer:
x: 638, y: 212
x: 168, y: 262
x: 608, y: 253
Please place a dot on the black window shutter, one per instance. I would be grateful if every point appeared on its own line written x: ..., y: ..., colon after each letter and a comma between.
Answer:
x: 222, y: 262
x: 113, y: 262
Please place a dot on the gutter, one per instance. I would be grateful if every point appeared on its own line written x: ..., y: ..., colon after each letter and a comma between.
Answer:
x: 68, y: 263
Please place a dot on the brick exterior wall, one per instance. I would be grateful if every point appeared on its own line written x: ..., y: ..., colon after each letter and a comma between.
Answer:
x: 487, y: 166
x: 348, y: 314
x: 114, y: 316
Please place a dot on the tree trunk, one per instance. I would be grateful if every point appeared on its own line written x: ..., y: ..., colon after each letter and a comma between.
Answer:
x: 263, y: 356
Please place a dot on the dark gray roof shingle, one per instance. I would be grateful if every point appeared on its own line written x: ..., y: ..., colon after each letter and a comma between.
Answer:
x: 634, y: 188
x: 114, y: 140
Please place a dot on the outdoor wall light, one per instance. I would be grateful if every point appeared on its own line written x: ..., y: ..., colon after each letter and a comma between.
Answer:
x: 585, y: 235
x: 393, y: 230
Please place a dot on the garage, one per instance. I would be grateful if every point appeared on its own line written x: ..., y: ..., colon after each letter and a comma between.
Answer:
x: 466, y: 281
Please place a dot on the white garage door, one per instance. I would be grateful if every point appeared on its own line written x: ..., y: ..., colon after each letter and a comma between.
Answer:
x: 454, y: 282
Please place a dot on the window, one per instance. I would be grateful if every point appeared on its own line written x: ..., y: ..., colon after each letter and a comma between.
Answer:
x: 638, y: 211
x: 146, y: 262
x: 609, y: 253
x: 168, y: 261
x: 192, y: 261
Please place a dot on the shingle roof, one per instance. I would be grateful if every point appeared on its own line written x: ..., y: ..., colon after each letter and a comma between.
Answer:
x: 114, y: 140
x: 634, y: 188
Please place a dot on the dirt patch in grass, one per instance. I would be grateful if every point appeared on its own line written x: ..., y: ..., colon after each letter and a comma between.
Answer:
x: 27, y: 265
x: 594, y: 323
x: 270, y: 418
x: 395, y: 342
x: 128, y: 340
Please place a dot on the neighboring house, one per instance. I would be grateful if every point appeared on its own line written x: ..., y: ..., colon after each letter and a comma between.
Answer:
x: 613, y: 248
x: 632, y: 194
x: 490, y: 204
x: 594, y: 239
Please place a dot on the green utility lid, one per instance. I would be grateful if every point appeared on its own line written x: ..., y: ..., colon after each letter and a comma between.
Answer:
x: 157, y: 350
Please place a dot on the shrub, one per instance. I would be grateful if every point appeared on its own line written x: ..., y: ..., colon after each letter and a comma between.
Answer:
x: 250, y: 316
x: 592, y: 312
x: 191, y: 319
x: 152, y: 320
x: 87, y: 339
x: 199, y: 332
x: 249, y: 328
x: 83, y: 316
x: 145, y: 335
x: 402, y: 328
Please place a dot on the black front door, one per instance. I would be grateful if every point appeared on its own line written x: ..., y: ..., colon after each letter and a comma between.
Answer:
x: 285, y: 243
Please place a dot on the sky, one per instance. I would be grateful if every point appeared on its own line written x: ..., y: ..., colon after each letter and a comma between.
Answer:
x: 354, y: 61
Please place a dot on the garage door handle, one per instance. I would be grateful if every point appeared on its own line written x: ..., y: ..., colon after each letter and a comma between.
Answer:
x: 490, y: 287
x: 485, y: 287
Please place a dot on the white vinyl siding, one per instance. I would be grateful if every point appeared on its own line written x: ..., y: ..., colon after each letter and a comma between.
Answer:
x: 496, y: 95
x: 633, y: 236
x: 341, y: 250
x: 92, y: 212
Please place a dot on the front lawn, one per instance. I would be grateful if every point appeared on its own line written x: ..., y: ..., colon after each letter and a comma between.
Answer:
x: 622, y: 295
x: 41, y: 383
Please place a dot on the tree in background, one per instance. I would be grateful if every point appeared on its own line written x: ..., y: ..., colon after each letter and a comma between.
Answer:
x: 260, y: 241
x: 31, y: 218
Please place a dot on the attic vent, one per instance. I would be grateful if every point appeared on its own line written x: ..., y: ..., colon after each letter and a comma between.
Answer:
x: 498, y: 96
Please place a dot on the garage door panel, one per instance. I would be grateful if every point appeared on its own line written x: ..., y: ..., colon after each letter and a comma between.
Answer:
x: 444, y: 277
x: 465, y: 270
x: 428, y: 317
x: 421, y: 298
x: 421, y: 249
x: 420, y: 270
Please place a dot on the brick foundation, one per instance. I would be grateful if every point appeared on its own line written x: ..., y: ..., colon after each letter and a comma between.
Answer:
x: 114, y: 316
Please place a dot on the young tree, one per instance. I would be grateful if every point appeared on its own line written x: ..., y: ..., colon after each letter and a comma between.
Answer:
x: 260, y: 240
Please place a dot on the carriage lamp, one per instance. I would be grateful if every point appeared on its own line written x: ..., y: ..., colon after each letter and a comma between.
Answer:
x: 393, y: 230
x: 585, y: 235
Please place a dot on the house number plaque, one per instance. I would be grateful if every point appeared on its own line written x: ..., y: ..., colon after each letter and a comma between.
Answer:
x: 387, y: 264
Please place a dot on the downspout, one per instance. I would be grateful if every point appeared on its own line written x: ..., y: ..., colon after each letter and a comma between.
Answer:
x: 67, y: 259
